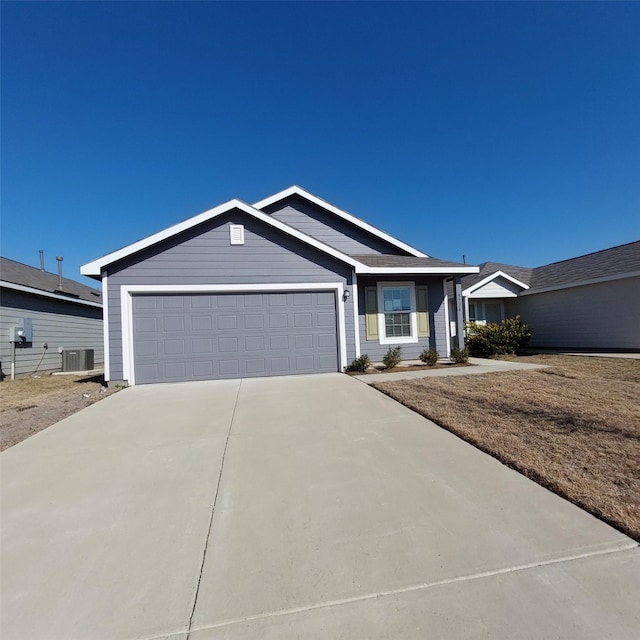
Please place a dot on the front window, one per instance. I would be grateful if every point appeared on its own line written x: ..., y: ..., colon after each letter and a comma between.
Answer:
x: 397, y: 312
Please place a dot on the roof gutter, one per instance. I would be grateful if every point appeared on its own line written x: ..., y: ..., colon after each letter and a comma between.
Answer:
x: 46, y: 294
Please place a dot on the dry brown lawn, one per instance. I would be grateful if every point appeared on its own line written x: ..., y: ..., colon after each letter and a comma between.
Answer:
x: 573, y: 427
x: 31, y: 404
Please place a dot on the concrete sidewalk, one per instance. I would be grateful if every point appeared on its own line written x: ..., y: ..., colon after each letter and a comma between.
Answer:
x: 294, y: 507
x: 479, y: 365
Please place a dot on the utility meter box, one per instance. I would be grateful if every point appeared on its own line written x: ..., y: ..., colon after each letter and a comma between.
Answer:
x: 22, y: 333
x: 16, y: 334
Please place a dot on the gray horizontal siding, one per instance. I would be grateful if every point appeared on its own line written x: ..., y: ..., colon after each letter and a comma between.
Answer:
x: 330, y: 229
x: 438, y: 338
x: 204, y: 256
x: 598, y: 316
x: 60, y: 324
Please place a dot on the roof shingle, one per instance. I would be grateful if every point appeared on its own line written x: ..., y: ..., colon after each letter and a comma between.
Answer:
x: 23, y: 274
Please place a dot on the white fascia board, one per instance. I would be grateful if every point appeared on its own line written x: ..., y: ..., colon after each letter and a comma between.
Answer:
x: 583, y: 283
x: 46, y: 294
x: 299, y: 191
x: 441, y: 271
x: 493, y: 276
x: 95, y: 268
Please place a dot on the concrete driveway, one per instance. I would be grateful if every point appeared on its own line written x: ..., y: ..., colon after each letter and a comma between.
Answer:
x: 304, y: 507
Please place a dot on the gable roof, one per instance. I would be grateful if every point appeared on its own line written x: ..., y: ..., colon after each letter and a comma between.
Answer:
x: 296, y: 190
x: 94, y: 268
x: 601, y: 265
x: 22, y: 277
x: 489, y: 270
x: 607, y: 264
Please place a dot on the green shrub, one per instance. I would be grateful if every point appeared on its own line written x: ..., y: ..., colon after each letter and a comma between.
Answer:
x: 460, y: 355
x: 429, y: 356
x: 392, y: 358
x: 360, y: 364
x: 496, y: 339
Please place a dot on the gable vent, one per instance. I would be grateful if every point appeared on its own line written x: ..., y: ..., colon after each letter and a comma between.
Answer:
x: 236, y: 233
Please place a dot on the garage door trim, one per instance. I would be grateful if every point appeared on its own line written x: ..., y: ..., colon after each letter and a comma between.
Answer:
x: 128, y: 291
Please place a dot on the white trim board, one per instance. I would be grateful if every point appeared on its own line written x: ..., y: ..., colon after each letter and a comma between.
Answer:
x: 306, y: 195
x: 447, y: 321
x: 105, y: 328
x: 493, y: 276
x: 126, y: 310
x: 356, y: 317
x: 409, y: 271
x: 46, y: 294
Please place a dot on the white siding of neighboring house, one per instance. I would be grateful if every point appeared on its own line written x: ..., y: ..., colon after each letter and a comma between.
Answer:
x: 605, y: 315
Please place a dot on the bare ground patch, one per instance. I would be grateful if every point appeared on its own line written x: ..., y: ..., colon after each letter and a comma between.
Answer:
x: 29, y: 405
x: 574, y: 427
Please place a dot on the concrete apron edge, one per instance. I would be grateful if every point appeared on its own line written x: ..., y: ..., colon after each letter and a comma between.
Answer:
x: 616, y: 548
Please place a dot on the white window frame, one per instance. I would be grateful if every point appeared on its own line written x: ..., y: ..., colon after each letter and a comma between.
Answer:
x: 413, y: 316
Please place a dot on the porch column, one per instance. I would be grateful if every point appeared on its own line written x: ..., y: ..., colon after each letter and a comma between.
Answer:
x: 457, y: 287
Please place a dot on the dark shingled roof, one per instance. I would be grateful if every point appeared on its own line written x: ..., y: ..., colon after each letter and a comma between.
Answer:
x: 23, y: 274
x: 608, y: 262
x: 408, y: 262
x: 600, y: 264
x: 523, y: 274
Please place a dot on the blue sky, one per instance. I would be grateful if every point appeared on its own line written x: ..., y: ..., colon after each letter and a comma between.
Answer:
x: 503, y: 131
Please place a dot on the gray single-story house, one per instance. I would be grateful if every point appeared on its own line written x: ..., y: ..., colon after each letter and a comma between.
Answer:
x: 55, y: 311
x: 591, y: 302
x: 288, y: 285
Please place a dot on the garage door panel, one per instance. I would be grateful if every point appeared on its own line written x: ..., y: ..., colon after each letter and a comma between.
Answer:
x: 204, y: 345
x: 304, y: 341
x: 254, y: 343
x: 174, y: 347
x: 173, y: 323
x: 227, y: 322
x: 173, y: 302
x: 146, y: 325
x: 201, y: 323
x: 228, y: 345
x: 327, y: 340
x: 233, y: 335
x: 203, y: 369
x: 278, y: 321
x: 253, y: 321
x: 325, y: 299
x: 278, y: 343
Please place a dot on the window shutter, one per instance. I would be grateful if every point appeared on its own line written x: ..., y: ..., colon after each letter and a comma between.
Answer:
x: 371, y: 309
x: 422, y: 307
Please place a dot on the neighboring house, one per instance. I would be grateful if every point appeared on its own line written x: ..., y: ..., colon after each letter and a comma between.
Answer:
x: 62, y: 317
x: 288, y: 285
x: 588, y: 302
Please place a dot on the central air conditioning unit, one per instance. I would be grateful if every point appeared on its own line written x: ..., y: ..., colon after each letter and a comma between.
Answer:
x: 77, y: 359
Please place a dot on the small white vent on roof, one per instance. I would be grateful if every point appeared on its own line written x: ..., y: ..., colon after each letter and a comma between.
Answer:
x: 236, y: 233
